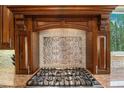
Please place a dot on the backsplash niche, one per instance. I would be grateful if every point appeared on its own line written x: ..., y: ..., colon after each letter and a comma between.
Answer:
x: 62, y: 48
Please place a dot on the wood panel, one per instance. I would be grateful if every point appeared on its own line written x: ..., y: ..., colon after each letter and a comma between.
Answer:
x: 21, y: 46
x: 89, y: 51
x: 6, y: 30
x: 94, y: 46
x: 35, y: 51
x: 42, y: 23
x: 1, y: 24
x: 11, y: 30
x: 23, y: 64
x: 33, y: 46
x: 103, y: 65
x: 5, y: 26
x: 102, y: 52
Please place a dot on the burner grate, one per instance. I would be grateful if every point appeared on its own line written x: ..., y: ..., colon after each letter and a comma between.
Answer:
x: 62, y: 78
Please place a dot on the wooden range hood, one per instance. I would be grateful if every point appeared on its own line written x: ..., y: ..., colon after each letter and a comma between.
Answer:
x: 29, y: 20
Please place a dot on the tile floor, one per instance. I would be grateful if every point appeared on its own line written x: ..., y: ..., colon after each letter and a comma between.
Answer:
x: 8, y: 78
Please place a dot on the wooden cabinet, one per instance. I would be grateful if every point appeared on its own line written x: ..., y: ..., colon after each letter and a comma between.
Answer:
x: 30, y: 20
x: 6, y: 28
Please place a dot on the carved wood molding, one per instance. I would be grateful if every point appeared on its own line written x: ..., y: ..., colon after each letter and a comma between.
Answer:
x: 62, y: 9
x: 104, y: 23
x: 19, y: 23
x: 39, y: 26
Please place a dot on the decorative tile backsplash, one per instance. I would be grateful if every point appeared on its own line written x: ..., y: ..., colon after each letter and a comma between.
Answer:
x: 62, y: 48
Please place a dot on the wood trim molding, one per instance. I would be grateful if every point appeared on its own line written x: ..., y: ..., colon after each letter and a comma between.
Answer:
x: 62, y: 9
x: 43, y: 22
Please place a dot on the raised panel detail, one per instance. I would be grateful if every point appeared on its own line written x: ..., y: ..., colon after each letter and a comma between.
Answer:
x: 6, y: 28
x: 102, y: 54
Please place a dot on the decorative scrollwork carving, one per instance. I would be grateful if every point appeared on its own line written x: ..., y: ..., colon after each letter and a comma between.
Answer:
x: 104, y: 23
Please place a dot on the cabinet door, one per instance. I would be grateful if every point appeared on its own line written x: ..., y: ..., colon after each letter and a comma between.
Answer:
x: 1, y: 25
x: 6, y: 28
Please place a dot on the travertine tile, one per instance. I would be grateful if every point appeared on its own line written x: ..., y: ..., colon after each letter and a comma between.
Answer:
x: 62, y: 47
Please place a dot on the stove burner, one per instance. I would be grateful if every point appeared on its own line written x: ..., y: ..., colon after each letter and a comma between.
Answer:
x: 63, y: 77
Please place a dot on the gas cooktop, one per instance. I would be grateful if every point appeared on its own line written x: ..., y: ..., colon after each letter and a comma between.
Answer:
x: 51, y: 77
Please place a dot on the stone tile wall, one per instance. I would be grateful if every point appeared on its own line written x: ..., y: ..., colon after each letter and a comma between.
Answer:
x: 62, y: 48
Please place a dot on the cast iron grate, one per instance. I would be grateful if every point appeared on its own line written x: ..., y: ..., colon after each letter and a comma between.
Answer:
x: 63, y: 78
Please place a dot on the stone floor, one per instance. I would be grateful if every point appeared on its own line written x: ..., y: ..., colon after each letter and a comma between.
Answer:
x: 8, y: 78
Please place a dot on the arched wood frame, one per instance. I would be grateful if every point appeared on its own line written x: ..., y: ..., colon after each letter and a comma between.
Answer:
x: 34, y: 26
x: 29, y: 20
x: 63, y: 25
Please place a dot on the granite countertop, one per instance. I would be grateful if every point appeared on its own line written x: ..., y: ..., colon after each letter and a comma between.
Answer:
x: 8, y: 78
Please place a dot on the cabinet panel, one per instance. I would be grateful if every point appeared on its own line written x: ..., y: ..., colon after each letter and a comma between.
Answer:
x: 102, y: 52
x: 1, y: 25
x: 6, y: 33
x: 6, y: 28
x: 102, y: 66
